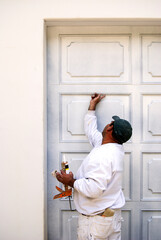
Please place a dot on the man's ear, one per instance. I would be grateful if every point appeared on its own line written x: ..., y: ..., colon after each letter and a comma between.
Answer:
x: 110, y: 128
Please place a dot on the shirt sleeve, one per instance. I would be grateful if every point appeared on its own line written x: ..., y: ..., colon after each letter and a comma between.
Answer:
x: 96, y: 179
x: 90, y: 128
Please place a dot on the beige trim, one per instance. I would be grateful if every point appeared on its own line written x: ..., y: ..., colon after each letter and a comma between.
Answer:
x: 102, y: 22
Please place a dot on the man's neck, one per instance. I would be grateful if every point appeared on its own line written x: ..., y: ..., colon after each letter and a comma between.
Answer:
x: 108, y: 139
x: 105, y: 141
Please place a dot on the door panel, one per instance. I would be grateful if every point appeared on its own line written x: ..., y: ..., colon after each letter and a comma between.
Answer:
x: 151, y: 118
x: 94, y: 59
x: 151, y: 52
x: 124, y: 63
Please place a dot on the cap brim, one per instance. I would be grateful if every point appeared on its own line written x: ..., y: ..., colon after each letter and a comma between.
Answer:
x: 115, y: 118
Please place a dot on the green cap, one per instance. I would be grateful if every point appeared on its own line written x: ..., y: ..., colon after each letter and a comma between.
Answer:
x: 122, y: 129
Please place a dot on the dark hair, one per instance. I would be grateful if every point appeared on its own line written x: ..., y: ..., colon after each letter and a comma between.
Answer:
x: 114, y: 135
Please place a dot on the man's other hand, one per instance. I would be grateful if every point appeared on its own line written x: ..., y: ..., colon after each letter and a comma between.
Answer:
x: 66, y: 179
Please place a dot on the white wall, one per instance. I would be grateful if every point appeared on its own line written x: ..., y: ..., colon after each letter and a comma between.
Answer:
x: 22, y: 139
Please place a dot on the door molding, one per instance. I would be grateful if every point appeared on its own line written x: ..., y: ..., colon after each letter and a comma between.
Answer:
x: 102, y: 21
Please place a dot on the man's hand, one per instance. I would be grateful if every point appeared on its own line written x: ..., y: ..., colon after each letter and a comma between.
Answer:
x: 66, y: 179
x: 95, y: 98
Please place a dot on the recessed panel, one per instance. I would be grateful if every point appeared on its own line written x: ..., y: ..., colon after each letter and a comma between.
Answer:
x: 74, y: 160
x: 74, y: 108
x: 69, y: 222
x: 154, y: 59
x: 94, y: 58
x: 151, y: 177
x: 151, y: 118
x: 126, y: 224
x: 151, y: 222
x: 154, y: 116
x: 151, y: 58
x: 154, y: 175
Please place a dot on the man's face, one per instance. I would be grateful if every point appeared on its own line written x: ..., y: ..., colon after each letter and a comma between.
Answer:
x: 106, y: 127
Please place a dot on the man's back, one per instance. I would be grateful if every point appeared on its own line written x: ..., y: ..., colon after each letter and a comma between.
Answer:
x: 100, y: 179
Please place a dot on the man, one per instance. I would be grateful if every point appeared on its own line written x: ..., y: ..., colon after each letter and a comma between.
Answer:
x: 98, y: 195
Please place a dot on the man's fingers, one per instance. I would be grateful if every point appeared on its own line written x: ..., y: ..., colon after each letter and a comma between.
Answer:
x: 62, y: 172
x: 94, y: 95
x: 102, y: 96
x: 59, y: 176
x: 97, y: 96
x: 71, y: 173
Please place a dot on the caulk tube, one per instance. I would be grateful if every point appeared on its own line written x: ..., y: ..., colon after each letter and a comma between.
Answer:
x: 66, y: 165
x: 67, y: 168
x: 67, y: 172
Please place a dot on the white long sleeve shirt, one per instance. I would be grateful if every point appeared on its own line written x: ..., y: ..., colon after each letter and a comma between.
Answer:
x: 98, y: 182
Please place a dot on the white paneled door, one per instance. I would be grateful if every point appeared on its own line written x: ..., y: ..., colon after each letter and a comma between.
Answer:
x: 124, y: 63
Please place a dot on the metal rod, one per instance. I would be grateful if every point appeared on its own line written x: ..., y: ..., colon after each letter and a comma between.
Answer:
x: 70, y: 204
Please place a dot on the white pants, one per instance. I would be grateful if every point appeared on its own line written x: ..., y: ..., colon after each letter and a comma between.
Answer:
x: 98, y: 227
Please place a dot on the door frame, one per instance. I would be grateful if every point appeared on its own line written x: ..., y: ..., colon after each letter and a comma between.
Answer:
x: 102, y: 21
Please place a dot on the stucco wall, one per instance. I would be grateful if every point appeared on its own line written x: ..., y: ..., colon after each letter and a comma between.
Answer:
x: 22, y: 104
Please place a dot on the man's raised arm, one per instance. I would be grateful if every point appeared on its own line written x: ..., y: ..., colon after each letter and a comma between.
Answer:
x: 90, y: 121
